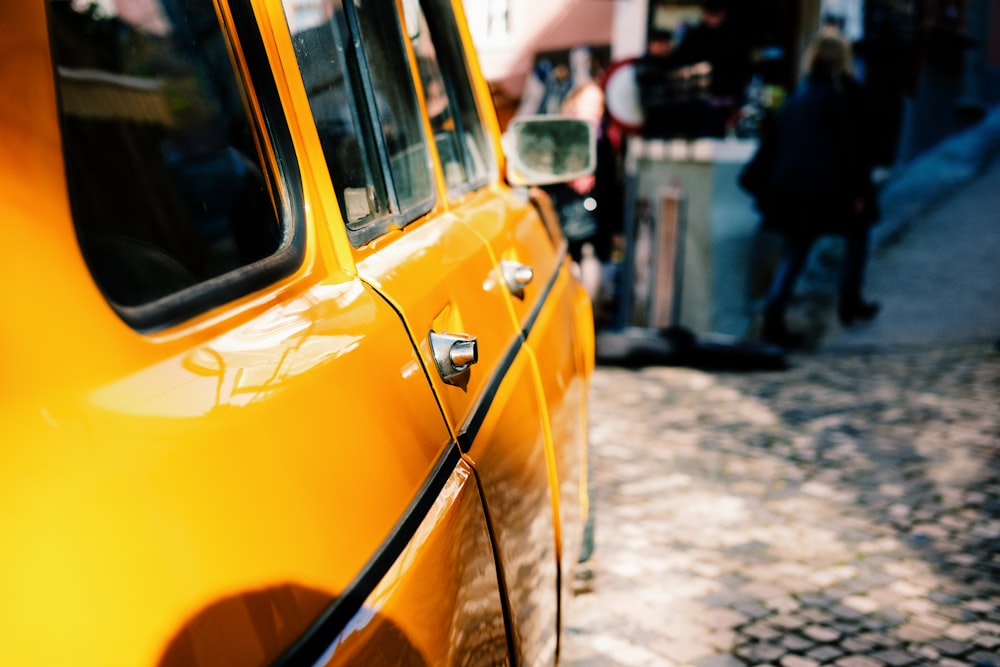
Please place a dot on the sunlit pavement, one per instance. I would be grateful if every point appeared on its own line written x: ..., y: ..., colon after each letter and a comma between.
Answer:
x: 843, y: 512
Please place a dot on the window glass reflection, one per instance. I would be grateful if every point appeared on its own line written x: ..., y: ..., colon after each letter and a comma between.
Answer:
x: 357, y: 77
x: 451, y: 104
x: 165, y: 174
x: 322, y: 41
x: 396, y: 102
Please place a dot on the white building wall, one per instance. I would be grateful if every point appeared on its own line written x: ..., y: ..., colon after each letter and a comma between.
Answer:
x: 628, y: 36
x: 533, y: 26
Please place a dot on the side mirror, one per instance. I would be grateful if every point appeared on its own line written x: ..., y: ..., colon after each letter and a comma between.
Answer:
x: 542, y: 150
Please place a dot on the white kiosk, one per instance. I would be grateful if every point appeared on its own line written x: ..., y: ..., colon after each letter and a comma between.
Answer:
x: 690, y: 236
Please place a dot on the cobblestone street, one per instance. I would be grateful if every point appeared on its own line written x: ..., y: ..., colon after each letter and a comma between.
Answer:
x: 843, y: 512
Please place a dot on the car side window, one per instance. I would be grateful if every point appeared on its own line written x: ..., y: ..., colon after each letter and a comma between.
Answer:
x: 322, y: 41
x: 355, y: 70
x: 174, y: 202
x: 451, y: 103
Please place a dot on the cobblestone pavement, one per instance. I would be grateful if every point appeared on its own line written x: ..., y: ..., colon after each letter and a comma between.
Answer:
x: 844, y: 512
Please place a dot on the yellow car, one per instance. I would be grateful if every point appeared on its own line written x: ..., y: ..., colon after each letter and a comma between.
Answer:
x: 294, y: 365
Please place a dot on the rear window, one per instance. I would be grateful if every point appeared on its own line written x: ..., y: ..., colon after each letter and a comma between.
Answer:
x: 176, y: 199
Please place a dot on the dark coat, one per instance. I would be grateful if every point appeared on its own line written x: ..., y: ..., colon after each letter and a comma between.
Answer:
x: 816, y: 162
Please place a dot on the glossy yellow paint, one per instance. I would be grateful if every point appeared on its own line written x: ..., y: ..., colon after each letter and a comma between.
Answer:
x: 442, y: 278
x: 240, y: 469
x: 552, y: 305
x: 564, y: 389
x: 446, y: 623
x: 442, y: 274
x: 209, y: 474
x: 514, y: 232
x: 512, y: 449
x: 146, y: 478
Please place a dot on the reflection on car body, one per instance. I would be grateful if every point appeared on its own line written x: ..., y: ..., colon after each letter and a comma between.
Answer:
x: 295, y: 367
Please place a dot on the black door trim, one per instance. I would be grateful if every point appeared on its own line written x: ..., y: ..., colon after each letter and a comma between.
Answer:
x: 319, y: 638
x: 470, y: 430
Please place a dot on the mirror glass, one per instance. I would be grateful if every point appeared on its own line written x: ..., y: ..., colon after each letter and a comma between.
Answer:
x: 552, y: 149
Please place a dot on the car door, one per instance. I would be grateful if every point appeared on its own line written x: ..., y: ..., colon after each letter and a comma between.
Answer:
x: 401, y: 189
x: 544, y: 306
x: 216, y: 453
x: 437, y: 274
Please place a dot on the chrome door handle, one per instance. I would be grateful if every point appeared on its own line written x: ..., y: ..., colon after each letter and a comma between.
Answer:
x: 454, y: 353
x: 517, y: 276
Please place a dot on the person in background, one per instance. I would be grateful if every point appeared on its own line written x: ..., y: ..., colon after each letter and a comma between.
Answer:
x: 533, y: 91
x: 545, y: 89
x: 819, y: 181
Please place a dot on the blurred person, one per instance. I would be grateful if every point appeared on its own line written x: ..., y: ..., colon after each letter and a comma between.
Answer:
x: 545, y: 89
x: 819, y: 181
x: 585, y: 100
x: 602, y: 192
x: 589, y: 207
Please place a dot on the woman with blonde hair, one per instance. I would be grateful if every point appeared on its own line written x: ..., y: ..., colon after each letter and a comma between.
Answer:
x: 828, y: 49
x: 820, y: 181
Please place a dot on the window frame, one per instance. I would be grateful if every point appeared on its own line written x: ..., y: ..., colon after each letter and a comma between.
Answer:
x: 436, y: 25
x: 396, y: 218
x: 365, y: 110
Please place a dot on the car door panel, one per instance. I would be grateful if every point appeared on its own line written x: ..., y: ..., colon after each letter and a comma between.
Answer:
x: 466, y: 296
x: 560, y: 361
x: 550, y: 306
x: 515, y: 234
x: 231, y: 467
x: 436, y: 604
x: 511, y: 453
x: 442, y: 278
x: 521, y: 467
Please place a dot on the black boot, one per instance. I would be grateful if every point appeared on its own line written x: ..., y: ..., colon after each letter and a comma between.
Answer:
x: 856, y: 309
x: 775, y: 332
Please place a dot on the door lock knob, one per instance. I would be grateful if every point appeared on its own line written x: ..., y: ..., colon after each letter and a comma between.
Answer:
x: 517, y: 276
x: 464, y: 353
x: 453, y: 354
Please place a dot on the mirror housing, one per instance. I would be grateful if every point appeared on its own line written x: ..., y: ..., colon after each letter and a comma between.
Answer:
x: 542, y: 150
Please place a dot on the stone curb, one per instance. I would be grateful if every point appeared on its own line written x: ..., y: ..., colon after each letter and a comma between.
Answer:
x: 935, y: 175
